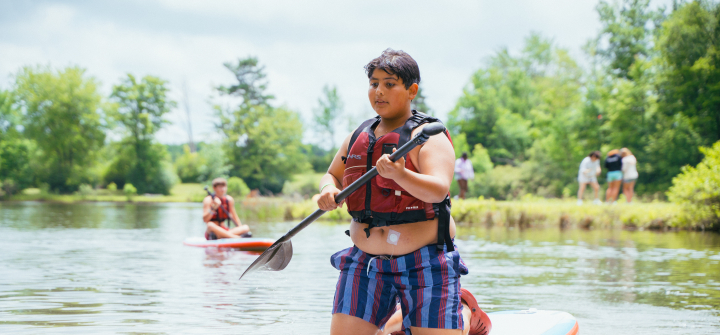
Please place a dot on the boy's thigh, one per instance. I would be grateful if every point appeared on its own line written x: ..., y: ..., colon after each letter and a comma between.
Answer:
x: 364, y: 297
x: 434, y: 307
x: 342, y: 324
x: 431, y: 331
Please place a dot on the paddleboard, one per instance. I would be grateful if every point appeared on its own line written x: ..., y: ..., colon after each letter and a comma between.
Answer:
x: 533, y: 322
x: 249, y: 243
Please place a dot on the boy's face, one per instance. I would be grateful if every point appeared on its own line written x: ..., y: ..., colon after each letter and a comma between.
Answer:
x: 220, y: 189
x: 388, y: 95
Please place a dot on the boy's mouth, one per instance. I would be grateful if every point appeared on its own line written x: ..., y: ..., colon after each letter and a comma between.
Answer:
x: 380, y: 102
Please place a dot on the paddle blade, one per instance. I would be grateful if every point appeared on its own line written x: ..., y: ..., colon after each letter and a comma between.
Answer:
x: 275, y: 258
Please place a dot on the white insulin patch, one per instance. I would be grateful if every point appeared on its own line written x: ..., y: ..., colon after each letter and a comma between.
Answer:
x: 393, y: 237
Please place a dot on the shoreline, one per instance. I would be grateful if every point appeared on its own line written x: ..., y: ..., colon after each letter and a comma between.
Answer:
x: 521, y: 214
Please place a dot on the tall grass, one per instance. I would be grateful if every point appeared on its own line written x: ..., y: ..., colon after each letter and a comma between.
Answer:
x: 532, y: 212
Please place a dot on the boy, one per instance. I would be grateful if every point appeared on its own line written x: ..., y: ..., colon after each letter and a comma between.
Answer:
x: 401, y: 228
x: 215, y: 217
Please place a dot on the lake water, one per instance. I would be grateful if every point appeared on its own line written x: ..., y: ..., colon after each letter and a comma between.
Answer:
x: 121, y: 268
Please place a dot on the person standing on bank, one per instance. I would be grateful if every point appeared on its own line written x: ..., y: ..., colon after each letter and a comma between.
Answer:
x: 463, y: 172
x: 215, y: 214
x: 589, y: 170
x: 630, y: 173
x: 401, y: 229
x: 613, y: 162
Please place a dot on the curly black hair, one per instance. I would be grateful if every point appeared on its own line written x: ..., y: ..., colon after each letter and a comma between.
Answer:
x: 396, y: 62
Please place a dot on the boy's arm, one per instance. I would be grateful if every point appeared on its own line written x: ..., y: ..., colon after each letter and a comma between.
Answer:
x: 231, y: 205
x: 333, y: 179
x: 207, y: 209
x: 435, y: 163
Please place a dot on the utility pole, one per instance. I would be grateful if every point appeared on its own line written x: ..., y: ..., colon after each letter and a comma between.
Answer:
x: 191, y: 144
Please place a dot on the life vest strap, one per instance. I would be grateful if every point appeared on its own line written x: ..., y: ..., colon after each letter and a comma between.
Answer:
x: 444, y: 238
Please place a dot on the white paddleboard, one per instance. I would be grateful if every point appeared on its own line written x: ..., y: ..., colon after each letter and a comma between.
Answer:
x: 533, y: 322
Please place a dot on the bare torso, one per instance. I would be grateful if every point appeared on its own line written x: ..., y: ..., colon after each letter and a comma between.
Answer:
x: 413, y: 236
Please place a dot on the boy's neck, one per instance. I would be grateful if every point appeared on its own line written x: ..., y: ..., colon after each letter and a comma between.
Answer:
x: 394, y: 123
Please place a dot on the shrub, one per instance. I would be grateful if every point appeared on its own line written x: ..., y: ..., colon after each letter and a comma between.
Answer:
x: 188, y: 165
x: 129, y: 191
x: 698, y: 188
x: 112, y: 187
x: 85, y: 190
x: 302, y: 185
x: 237, y: 187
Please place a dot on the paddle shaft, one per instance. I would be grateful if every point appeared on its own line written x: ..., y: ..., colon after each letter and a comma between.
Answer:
x: 212, y: 195
x: 404, y: 150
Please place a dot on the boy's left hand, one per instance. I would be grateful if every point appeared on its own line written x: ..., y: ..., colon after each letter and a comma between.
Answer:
x: 387, y: 169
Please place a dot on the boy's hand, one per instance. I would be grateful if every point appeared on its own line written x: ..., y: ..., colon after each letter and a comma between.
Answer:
x: 387, y: 169
x: 326, y: 201
x: 216, y: 203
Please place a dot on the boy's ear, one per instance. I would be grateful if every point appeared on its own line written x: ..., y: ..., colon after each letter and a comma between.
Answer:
x: 413, y: 90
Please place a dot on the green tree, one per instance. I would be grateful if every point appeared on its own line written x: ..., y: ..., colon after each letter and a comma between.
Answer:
x: 523, y: 109
x: 215, y: 162
x: 329, y: 111
x: 61, y: 114
x: 689, y: 44
x: 627, y: 29
x: 15, y: 152
x: 262, y: 142
x: 188, y: 165
x: 141, y: 106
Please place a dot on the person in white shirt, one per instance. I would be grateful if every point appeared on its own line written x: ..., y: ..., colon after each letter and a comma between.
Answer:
x: 589, y: 170
x: 630, y: 173
x: 463, y: 172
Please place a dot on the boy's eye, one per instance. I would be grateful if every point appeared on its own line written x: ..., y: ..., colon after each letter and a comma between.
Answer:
x: 390, y: 84
x: 374, y: 84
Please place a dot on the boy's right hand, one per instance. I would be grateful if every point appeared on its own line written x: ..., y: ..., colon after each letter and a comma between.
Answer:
x: 326, y: 201
x: 216, y: 203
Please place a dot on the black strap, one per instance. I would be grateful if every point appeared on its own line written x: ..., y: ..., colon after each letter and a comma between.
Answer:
x: 359, y: 130
x: 368, y: 185
x: 444, y: 238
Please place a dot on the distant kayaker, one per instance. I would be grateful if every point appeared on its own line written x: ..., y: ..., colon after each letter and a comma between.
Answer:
x: 402, y: 229
x: 215, y: 213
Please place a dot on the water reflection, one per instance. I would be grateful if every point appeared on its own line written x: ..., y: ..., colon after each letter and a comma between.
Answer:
x: 104, y: 267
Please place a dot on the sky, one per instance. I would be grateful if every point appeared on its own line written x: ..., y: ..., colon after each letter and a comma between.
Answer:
x: 303, y: 45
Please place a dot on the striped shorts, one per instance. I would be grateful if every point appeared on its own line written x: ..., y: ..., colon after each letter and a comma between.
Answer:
x: 426, y: 284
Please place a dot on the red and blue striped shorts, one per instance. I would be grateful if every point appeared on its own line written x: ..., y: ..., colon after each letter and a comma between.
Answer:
x: 426, y: 284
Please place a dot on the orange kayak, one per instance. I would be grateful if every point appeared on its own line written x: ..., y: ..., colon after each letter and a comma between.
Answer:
x: 249, y: 243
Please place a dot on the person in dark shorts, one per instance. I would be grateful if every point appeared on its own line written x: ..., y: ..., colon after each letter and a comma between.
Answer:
x: 613, y: 162
x: 402, y: 229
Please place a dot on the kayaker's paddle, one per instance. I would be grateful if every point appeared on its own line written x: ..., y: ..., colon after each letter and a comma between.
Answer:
x: 278, y: 256
x: 212, y: 195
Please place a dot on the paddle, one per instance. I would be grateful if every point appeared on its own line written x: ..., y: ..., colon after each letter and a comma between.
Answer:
x: 212, y: 195
x: 278, y: 256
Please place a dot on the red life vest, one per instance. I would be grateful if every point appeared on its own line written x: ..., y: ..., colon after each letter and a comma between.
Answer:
x: 382, y: 202
x: 219, y: 215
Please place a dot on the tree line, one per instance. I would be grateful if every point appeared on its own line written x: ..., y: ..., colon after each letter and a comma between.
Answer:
x: 652, y: 85
x: 649, y: 82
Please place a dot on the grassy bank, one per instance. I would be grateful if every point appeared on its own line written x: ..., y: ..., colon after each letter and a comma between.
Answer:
x: 547, y: 213
x: 528, y: 212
